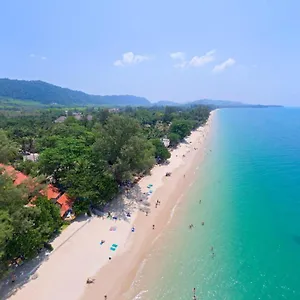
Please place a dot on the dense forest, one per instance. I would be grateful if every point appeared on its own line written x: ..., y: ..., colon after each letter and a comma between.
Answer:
x: 91, y: 159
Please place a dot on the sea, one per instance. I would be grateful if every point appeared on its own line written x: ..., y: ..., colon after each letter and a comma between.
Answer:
x: 247, y: 193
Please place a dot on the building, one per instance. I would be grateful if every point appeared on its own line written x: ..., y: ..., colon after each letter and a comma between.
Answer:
x: 113, y: 110
x: 18, y: 177
x: 31, y: 156
x: 166, y: 142
x: 60, y: 119
x: 53, y: 194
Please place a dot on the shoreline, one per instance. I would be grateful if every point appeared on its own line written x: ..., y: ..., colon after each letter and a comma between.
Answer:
x: 79, y: 256
x: 171, y: 193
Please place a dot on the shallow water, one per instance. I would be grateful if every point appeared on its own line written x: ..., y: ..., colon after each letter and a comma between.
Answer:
x: 249, y: 187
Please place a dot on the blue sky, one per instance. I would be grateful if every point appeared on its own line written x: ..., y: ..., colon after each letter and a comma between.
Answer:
x: 163, y: 50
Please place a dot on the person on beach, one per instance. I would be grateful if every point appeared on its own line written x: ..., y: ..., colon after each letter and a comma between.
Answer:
x: 13, y: 278
x: 153, y: 226
x: 146, y: 213
x: 105, y: 297
x: 194, y: 296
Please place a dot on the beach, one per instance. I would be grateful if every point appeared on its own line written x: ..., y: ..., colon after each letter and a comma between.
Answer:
x: 78, y: 252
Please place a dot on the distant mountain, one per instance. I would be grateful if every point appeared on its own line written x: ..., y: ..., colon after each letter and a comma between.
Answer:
x: 166, y: 103
x: 219, y: 103
x: 46, y: 93
x: 14, y: 93
x: 214, y: 104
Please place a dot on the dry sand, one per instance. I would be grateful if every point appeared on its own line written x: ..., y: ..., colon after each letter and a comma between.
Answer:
x: 78, y: 254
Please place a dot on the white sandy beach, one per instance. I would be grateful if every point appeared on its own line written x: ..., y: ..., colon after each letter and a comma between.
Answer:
x: 77, y: 251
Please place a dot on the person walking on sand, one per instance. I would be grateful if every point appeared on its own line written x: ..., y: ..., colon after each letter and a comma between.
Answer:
x: 153, y: 226
x: 105, y: 297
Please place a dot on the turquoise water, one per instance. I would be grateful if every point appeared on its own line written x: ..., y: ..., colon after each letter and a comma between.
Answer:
x: 249, y: 186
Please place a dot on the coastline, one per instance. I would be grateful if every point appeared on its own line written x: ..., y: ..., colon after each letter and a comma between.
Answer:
x: 170, y: 193
x: 79, y: 256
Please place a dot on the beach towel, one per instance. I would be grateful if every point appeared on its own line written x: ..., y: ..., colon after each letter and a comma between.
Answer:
x: 113, y: 228
x: 113, y: 247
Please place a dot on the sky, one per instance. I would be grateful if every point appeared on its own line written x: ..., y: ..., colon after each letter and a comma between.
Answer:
x: 160, y: 49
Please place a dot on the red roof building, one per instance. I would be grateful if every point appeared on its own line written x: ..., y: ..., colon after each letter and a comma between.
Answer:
x: 18, y: 177
x: 51, y: 192
x: 65, y: 204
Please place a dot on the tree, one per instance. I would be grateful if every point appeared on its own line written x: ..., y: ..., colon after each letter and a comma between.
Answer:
x: 120, y: 143
x: 174, y: 139
x: 102, y: 115
x: 8, y: 149
x: 11, y: 197
x: 28, y: 167
x: 64, y: 157
x: 6, y: 231
x: 169, y: 113
x: 181, y: 127
x: 161, y: 152
x: 90, y: 182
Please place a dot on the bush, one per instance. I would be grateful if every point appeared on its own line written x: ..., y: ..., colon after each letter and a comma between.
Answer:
x: 48, y: 246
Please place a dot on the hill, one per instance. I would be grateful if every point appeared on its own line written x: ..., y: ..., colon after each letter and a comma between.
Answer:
x: 46, y: 93
x: 28, y: 94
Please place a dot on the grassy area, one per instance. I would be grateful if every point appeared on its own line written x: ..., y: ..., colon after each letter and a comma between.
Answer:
x: 64, y: 226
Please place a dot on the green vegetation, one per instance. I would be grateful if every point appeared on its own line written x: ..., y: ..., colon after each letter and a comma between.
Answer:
x: 44, y: 93
x: 23, y: 230
x: 90, y: 159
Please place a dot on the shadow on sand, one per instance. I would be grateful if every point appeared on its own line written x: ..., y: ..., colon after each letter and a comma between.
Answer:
x: 120, y: 208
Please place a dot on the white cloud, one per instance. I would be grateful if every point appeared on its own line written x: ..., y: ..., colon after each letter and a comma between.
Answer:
x: 178, y: 55
x: 224, y: 65
x: 129, y: 58
x: 196, y: 61
x: 199, y: 61
x: 37, y: 56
